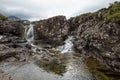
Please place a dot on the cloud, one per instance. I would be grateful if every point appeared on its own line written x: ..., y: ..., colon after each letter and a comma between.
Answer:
x: 40, y: 9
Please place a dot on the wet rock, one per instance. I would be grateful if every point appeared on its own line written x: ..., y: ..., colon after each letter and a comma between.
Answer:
x: 51, y: 31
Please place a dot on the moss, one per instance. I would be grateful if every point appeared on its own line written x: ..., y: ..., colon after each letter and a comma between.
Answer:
x: 86, y: 14
x: 2, y: 17
x: 55, y: 52
x: 101, y: 76
x: 57, y: 68
x: 57, y: 64
x: 115, y: 17
x: 113, y: 13
x: 100, y: 72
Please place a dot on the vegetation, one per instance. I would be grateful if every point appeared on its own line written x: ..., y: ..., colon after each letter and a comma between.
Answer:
x: 2, y: 17
x: 99, y: 71
x: 113, y: 13
x: 57, y: 68
x: 88, y: 14
x: 55, y: 65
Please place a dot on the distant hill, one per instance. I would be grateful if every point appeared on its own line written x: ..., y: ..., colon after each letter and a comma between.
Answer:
x: 13, y: 17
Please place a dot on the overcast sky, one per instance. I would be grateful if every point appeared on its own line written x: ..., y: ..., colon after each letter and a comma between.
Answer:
x: 41, y: 9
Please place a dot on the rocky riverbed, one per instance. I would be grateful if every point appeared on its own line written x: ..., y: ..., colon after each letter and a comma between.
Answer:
x: 62, y: 49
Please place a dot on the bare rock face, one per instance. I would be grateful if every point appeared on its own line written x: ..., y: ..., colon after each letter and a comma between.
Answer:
x: 52, y: 31
x: 13, y: 46
x: 12, y: 27
x: 12, y: 41
x: 96, y: 38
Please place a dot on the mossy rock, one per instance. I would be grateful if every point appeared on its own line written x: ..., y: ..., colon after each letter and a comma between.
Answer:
x: 113, y: 13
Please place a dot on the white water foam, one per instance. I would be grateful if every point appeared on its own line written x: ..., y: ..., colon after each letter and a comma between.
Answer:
x: 30, y: 33
x: 30, y: 37
x: 67, y: 47
x: 1, y: 37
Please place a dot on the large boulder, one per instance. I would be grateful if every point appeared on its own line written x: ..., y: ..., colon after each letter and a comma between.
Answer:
x: 52, y: 31
x: 15, y: 27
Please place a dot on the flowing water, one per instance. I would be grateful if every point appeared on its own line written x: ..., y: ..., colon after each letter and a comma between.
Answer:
x: 75, y: 69
x: 67, y: 48
x: 29, y: 35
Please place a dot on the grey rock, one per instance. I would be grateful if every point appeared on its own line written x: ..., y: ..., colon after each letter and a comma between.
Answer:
x: 51, y: 31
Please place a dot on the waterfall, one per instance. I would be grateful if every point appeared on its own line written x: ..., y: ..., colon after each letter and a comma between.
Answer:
x: 29, y: 35
x: 67, y: 47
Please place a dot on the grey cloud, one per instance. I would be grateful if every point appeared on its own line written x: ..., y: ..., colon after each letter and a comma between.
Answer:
x: 40, y: 9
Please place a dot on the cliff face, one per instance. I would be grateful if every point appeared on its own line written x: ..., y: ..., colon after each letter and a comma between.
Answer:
x: 52, y: 31
x: 96, y: 34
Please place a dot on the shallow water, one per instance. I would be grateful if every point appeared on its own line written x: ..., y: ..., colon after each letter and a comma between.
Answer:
x: 75, y: 70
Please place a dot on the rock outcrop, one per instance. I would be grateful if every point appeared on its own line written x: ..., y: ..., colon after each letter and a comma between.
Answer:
x: 15, y: 27
x: 51, y: 31
x: 98, y: 38
x: 13, y: 46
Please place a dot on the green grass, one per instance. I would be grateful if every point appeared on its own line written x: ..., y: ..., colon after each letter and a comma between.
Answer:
x: 2, y: 17
x: 86, y: 14
x: 113, y: 13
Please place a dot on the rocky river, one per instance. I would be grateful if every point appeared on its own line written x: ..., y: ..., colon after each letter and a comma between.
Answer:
x: 85, y: 47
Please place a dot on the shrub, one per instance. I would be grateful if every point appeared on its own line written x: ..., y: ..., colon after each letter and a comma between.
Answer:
x: 2, y: 17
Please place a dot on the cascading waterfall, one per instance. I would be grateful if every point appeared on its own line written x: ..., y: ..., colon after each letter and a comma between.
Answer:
x: 67, y: 47
x: 29, y: 35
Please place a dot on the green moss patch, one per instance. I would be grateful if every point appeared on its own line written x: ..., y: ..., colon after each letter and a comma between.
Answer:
x: 99, y: 71
x: 2, y: 17
x: 57, y: 68
x: 113, y: 13
x: 56, y: 63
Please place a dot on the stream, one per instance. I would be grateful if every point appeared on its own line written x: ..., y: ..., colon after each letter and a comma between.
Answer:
x: 73, y: 69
